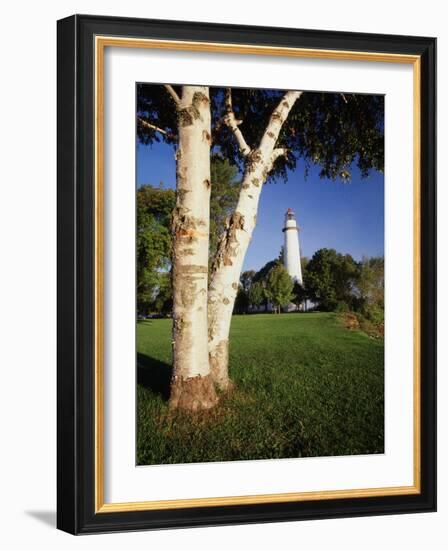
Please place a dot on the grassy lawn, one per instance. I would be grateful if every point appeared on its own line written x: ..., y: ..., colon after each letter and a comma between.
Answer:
x: 305, y: 386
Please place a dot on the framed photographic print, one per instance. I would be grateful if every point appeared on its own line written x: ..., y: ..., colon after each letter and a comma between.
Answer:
x: 246, y: 274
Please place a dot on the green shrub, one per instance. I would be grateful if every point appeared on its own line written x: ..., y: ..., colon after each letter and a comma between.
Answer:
x: 374, y: 313
x: 342, y: 307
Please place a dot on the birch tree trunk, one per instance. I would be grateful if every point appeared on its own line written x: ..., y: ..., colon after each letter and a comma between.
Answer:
x: 192, y: 386
x: 236, y: 238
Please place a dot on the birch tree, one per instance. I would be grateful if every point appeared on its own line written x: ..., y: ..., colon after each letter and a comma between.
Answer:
x: 192, y: 387
x: 235, y: 241
x: 328, y: 129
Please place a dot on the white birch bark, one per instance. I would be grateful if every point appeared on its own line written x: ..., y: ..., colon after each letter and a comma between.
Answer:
x: 192, y: 387
x: 235, y: 241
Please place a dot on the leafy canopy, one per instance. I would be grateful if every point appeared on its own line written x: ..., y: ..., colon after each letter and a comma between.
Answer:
x: 330, y: 130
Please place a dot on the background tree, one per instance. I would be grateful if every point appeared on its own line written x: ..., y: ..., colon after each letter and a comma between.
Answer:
x: 281, y: 256
x: 330, y: 278
x: 299, y: 295
x: 279, y: 287
x: 261, y: 275
x: 256, y: 294
x: 153, y: 242
x: 304, y: 262
x: 224, y: 194
x: 163, y: 299
x: 242, y: 301
x: 369, y: 289
x: 246, y: 279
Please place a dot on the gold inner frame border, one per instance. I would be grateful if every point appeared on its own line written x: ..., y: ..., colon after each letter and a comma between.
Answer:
x: 101, y: 42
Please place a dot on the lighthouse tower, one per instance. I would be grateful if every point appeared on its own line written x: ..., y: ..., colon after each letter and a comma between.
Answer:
x: 292, y: 248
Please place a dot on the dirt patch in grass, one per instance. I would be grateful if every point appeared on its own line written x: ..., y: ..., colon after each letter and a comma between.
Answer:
x: 356, y: 321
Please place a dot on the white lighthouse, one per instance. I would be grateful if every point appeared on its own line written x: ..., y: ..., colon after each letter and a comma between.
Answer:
x: 292, y: 247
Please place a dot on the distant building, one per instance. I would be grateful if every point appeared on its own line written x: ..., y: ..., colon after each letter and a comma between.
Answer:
x: 292, y: 247
x: 291, y: 260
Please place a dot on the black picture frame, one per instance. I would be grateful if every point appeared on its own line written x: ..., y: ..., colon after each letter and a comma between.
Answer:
x: 76, y: 272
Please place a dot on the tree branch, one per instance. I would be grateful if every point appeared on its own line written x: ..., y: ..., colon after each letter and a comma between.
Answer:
x: 231, y: 122
x: 173, y: 94
x: 147, y: 124
x: 278, y: 117
x: 228, y: 100
x: 278, y: 152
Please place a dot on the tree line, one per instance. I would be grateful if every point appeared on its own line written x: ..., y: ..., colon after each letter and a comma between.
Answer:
x: 331, y: 281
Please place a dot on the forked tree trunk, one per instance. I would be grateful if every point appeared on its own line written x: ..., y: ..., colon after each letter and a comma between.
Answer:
x: 192, y: 386
x: 235, y: 241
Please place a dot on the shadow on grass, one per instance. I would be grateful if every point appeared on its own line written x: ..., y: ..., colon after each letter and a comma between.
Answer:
x: 154, y: 375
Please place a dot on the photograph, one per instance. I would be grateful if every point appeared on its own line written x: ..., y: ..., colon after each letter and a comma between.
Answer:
x: 259, y: 273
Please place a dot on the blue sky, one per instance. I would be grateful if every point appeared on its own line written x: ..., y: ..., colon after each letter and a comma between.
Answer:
x: 346, y: 216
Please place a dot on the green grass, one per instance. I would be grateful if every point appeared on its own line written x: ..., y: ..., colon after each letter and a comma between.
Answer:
x: 305, y: 386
